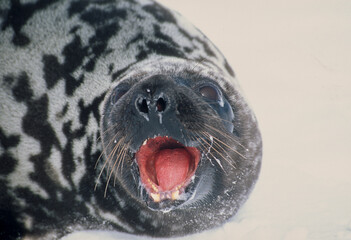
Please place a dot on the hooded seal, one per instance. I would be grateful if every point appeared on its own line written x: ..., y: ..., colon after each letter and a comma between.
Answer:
x: 118, y: 115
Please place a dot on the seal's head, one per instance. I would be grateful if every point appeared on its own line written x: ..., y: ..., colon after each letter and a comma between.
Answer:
x: 179, y: 136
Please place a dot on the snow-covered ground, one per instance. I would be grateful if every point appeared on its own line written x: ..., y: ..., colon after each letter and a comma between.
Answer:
x: 293, y: 60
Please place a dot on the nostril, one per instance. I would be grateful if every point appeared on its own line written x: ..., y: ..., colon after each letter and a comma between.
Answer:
x: 160, y: 105
x: 142, y: 105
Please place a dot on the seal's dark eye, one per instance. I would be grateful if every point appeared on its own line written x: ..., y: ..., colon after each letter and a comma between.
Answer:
x: 117, y: 94
x: 210, y: 92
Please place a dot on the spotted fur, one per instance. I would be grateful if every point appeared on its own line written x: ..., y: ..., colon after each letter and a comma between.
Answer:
x: 58, y: 61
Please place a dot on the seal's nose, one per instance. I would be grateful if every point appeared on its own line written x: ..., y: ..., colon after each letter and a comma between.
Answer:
x: 154, y: 96
x: 144, y: 104
x: 153, y: 109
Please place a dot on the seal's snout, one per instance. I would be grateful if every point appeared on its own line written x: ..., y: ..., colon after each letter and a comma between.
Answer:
x: 152, y: 105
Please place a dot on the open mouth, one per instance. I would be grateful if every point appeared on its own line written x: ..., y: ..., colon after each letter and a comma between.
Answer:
x: 166, y: 167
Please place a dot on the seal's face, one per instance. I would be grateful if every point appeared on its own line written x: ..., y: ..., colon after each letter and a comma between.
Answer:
x: 169, y: 136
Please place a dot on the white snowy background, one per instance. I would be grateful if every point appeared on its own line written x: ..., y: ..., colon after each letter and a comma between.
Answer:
x: 293, y: 61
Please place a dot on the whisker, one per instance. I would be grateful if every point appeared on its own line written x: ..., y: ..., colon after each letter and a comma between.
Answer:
x: 218, y: 146
x: 111, y: 155
x: 108, y: 159
x: 114, y: 165
x: 121, y: 162
x: 232, y: 162
x: 210, y: 146
x: 98, y: 160
x: 231, y: 148
x: 202, y: 145
x: 108, y: 129
x: 226, y: 135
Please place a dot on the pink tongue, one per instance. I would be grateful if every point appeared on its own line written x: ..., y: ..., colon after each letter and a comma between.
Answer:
x: 171, y: 166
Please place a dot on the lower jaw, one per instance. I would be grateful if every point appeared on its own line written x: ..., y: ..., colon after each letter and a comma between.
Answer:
x: 165, y: 205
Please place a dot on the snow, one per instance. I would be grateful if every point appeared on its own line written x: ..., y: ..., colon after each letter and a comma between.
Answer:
x: 293, y: 61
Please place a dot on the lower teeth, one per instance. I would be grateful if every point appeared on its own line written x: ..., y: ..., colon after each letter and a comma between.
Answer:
x: 157, y: 197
